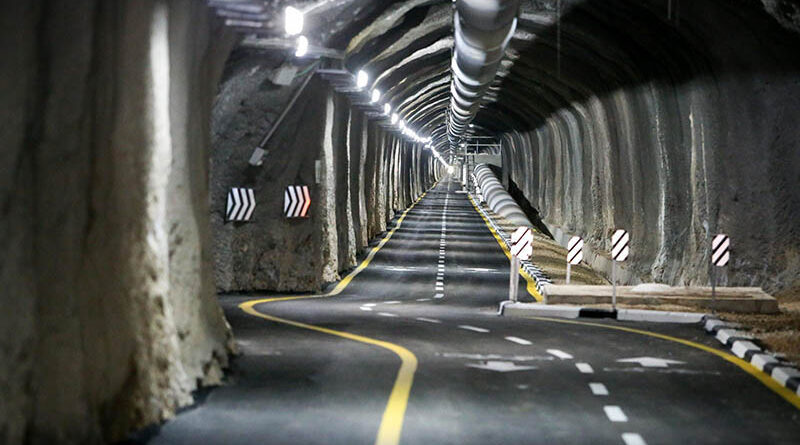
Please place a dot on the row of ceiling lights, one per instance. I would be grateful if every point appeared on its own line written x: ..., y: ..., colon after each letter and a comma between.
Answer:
x: 294, y: 20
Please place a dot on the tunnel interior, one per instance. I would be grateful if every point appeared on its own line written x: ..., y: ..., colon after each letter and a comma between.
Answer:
x: 128, y: 123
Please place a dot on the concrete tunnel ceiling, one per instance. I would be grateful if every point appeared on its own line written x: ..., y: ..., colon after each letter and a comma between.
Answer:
x: 628, y: 107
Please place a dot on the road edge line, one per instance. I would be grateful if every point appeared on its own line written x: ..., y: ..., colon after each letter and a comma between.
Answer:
x: 766, y: 379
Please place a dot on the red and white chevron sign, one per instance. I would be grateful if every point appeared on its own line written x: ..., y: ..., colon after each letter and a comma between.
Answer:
x: 575, y: 250
x: 296, y: 201
x: 522, y: 243
x: 241, y: 203
x: 720, y: 250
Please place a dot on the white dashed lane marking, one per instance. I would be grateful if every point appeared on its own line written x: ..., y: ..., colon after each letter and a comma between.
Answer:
x: 473, y: 328
x: 393, y: 302
x: 584, y: 368
x: 615, y: 413
x: 428, y: 320
x: 364, y: 308
x: 633, y: 439
x: 423, y: 299
x: 437, y: 296
x: 370, y: 305
x: 559, y: 353
x: 386, y: 314
x: 598, y: 389
x: 519, y: 341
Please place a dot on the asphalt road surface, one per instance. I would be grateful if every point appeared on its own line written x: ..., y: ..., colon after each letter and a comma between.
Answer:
x: 410, y: 351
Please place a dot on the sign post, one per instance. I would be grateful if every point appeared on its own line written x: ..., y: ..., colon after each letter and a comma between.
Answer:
x: 720, y: 256
x: 574, y: 253
x: 521, y: 249
x: 619, y: 252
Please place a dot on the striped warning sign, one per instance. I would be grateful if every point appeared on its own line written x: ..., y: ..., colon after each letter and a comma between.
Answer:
x: 296, y: 201
x: 241, y: 203
x: 720, y: 250
x: 522, y: 243
x: 575, y: 250
x: 619, y: 245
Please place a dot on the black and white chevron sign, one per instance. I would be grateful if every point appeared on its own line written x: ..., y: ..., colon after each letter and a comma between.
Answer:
x: 522, y: 243
x: 296, y: 201
x: 720, y: 250
x: 575, y: 250
x: 620, y: 245
x: 241, y: 203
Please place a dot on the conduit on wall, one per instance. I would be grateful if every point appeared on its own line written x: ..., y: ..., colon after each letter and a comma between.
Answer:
x: 498, y: 198
x: 483, y: 29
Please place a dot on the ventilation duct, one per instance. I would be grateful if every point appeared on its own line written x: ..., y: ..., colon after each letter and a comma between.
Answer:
x: 483, y: 29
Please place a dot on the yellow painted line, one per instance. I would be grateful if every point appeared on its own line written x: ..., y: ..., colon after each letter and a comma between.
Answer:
x: 393, y: 415
x: 761, y: 376
x: 392, y: 420
x: 531, y: 282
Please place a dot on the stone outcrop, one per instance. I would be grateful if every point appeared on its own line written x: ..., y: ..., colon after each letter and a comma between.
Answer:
x: 109, y: 319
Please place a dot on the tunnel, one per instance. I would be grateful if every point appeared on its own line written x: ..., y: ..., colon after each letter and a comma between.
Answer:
x: 252, y: 221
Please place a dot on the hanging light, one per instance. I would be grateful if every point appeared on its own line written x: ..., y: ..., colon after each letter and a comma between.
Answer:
x: 302, y: 46
x: 376, y: 95
x: 387, y: 109
x: 395, y: 118
x: 293, y: 20
x: 362, y: 79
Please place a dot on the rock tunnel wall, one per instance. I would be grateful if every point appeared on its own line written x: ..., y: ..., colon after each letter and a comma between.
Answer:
x: 109, y: 316
x: 366, y: 176
x: 675, y: 124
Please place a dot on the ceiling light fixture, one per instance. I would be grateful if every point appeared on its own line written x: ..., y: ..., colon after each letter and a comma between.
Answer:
x: 376, y: 95
x: 293, y: 20
x: 362, y: 79
x: 302, y: 46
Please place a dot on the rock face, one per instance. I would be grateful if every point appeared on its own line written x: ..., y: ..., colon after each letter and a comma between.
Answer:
x: 109, y: 317
x: 675, y: 125
x: 359, y: 176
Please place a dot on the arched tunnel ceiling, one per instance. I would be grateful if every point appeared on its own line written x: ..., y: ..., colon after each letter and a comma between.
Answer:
x: 562, y: 53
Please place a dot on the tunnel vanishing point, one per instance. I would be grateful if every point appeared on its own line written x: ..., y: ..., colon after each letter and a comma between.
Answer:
x: 152, y: 148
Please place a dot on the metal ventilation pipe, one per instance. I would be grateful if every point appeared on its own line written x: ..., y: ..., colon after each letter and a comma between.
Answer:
x: 483, y: 29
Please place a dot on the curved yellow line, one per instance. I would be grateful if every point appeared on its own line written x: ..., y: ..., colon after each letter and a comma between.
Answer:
x: 761, y: 376
x: 392, y: 421
x: 531, y: 282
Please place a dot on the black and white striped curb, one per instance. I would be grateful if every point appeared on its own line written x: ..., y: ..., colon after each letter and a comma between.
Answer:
x: 539, y: 277
x: 744, y: 346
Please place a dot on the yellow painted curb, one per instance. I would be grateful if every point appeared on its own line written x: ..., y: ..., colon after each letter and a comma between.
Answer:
x: 531, y: 282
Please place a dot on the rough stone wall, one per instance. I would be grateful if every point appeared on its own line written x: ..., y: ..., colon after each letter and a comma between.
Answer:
x: 110, y: 320
x: 673, y: 124
x: 365, y: 178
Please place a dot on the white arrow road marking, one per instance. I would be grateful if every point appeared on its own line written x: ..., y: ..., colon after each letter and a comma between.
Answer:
x: 386, y: 314
x: 585, y: 368
x: 473, y: 328
x: 559, y: 353
x: 598, y: 389
x: 652, y: 362
x: 633, y: 439
x: 437, y: 296
x: 519, y: 341
x: 428, y: 320
x: 615, y: 413
x: 499, y: 366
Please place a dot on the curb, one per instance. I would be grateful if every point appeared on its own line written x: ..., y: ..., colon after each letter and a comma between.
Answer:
x: 744, y: 346
x: 538, y: 275
x: 538, y: 309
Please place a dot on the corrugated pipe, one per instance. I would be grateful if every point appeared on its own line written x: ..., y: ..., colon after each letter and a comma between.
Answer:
x: 483, y: 29
x: 497, y: 198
